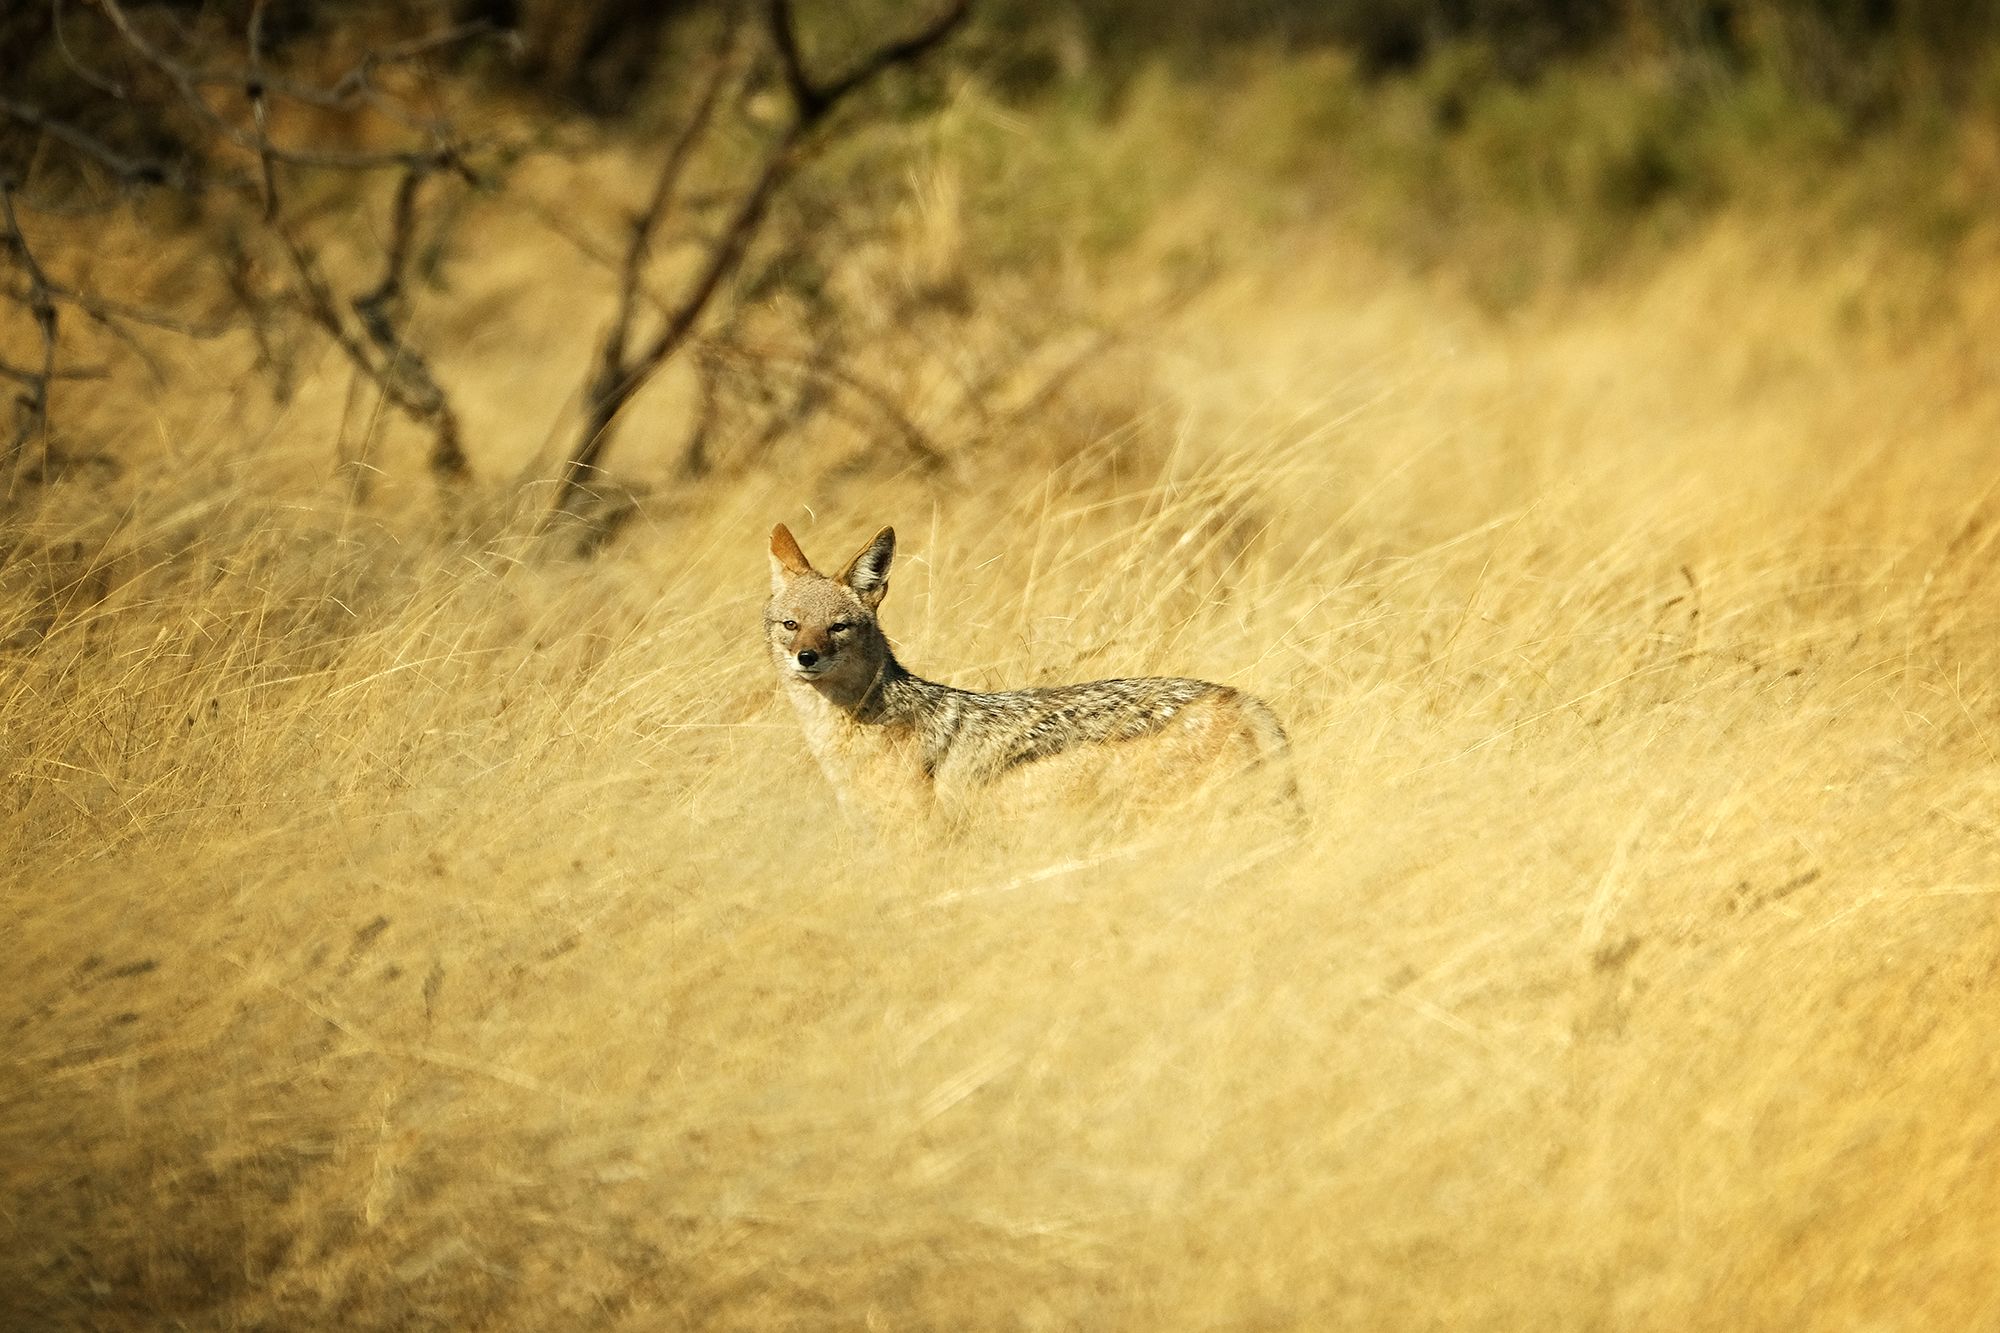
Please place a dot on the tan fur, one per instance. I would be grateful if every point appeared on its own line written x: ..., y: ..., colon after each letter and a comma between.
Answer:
x: 785, y: 550
x: 899, y: 749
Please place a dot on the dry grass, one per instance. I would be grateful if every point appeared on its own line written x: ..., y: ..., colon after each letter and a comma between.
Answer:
x: 409, y: 929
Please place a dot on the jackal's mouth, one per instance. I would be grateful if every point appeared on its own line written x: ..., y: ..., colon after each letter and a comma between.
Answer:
x: 813, y: 672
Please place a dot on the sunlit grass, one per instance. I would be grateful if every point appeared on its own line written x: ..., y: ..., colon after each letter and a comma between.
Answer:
x: 411, y: 924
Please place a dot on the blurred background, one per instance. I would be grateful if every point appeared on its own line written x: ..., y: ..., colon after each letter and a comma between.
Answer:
x: 335, y: 179
x: 1575, y: 418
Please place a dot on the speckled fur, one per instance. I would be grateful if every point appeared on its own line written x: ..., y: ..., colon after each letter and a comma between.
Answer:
x: 896, y: 746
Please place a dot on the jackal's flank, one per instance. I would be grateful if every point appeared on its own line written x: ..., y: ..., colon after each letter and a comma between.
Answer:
x: 895, y: 744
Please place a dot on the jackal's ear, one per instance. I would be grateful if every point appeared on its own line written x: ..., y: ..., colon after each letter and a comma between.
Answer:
x: 868, y: 573
x: 787, y: 560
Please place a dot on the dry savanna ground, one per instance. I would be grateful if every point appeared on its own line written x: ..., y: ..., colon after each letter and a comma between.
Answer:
x: 411, y: 925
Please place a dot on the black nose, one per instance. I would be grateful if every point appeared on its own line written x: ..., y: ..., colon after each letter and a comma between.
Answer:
x: 807, y: 657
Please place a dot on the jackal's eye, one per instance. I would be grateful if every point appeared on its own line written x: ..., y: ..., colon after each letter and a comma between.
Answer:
x: 839, y: 627
x: 791, y: 624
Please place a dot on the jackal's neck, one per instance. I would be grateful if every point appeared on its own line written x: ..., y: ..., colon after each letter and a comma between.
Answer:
x: 893, y: 698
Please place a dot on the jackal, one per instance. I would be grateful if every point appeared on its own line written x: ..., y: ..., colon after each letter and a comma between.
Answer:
x: 897, y: 747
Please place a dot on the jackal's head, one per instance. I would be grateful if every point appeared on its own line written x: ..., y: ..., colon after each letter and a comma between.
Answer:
x: 822, y: 630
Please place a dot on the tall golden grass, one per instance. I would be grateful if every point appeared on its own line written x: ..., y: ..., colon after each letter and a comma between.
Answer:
x: 409, y: 926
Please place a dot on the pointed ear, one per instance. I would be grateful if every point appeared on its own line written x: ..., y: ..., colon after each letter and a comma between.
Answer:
x: 787, y: 560
x: 868, y: 573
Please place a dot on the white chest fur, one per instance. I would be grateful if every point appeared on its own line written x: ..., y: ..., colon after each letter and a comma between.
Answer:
x: 874, y: 768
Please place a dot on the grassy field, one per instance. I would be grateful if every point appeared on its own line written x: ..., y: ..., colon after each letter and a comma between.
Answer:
x: 409, y: 925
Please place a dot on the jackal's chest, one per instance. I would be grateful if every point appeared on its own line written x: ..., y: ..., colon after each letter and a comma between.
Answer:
x: 876, y: 767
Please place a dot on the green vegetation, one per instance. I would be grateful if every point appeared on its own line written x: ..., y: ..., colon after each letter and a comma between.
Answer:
x: 1516, y: 163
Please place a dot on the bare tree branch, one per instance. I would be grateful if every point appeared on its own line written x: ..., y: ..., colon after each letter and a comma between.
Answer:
x: 827, y: 370
x: 253, y: 88
x: 188, y: 83
x: 814, y: 99
x: 356, y: 80
x: 618, y: 375
x: 108, y: 86
x: 378, y: 308
x: 131, y: 170
x: 805, y: 97
x: 103, y: 310
x: 618, y: 381
x: 22, y: 375
x: 403, y: 375
x: 243, y: 167
x: 32, y: 423
x: 171, y: 70
x: 631, y: 286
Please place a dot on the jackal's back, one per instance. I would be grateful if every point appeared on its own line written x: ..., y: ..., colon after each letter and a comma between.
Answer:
x: 1168, y: 732
x: 985, y: 735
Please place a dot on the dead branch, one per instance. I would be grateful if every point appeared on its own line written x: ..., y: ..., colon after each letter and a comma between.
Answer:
x: 915, y: 440
x: 22, y: 375
x: 130, y: 170
x: 377, y: 348
x: 110, y: 87
x: 32, y: 419
x: 620, y: 374
x: 708, y: 411
x: 253, y: 88
x: 357, y: 83
x: 814, y: 100
x: 403, y: 376
x: 379, y: 309
x: 827, y: 370
x: 189, y: 82
x: 403, y: 373
x: 666, y: 187
x: 170, y: 69
x: 105, y: 311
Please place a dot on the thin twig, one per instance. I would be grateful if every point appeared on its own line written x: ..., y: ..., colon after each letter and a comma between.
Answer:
x: 913, y: 436
x: 102, y: 83
x: 377, y: 308
x: 368, y: 330
x: 356, y: 80
x: 131, y: 170
x: 356, y: 83
x: 618, y: 377
x: 188, y: 83
x: 824, y: 370
x: 665, y: 188
x: 33, y: 421
x: 617, y: 383
x: 104, y: 310
x: 253, y: 88
x: 815, y: 100
x: 403, y: 374
x: 22, y: 375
